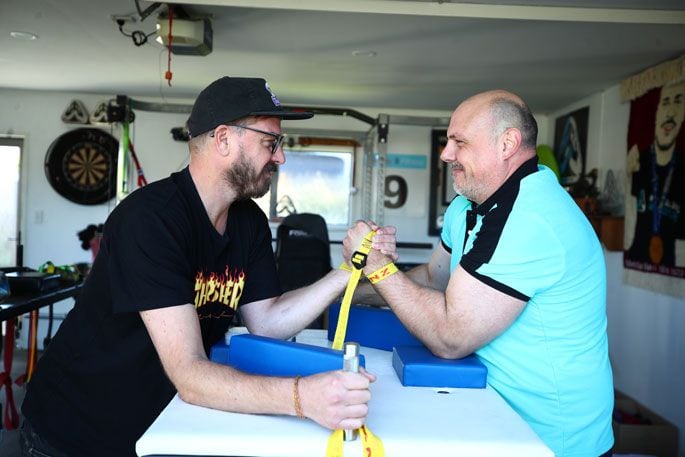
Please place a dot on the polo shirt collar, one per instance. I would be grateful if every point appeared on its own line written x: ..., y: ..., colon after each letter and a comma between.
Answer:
x: 509, y: 187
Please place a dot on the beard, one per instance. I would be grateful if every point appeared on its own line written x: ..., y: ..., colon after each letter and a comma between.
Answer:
x: 247, y: 182
x: 466, y: 190
x: 469, y: 186
x: 665, y: 141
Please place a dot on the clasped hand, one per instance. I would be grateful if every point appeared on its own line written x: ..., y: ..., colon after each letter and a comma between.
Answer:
x: 383, y: 242
x: 337, y: 399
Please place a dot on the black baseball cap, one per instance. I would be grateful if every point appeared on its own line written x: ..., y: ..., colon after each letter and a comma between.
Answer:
x: 228, y: 99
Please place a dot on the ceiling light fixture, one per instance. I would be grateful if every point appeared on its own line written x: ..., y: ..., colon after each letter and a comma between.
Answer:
x: 191, y: 37
x: 364, y: 53
x: 26, y: 36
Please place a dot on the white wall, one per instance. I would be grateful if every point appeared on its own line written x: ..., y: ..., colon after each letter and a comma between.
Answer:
x: 646, y: 337
x: 49, y: 222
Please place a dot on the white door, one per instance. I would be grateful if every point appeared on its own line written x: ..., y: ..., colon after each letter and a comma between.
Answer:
x: 10, y: 161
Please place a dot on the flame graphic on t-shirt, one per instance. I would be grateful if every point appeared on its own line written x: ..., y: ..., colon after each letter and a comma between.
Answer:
x: 225, y: 288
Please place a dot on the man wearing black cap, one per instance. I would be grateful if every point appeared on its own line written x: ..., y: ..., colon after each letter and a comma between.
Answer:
x: 177, y: 258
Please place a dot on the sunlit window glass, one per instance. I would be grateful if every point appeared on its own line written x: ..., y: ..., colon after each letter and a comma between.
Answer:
x: 312, y: 182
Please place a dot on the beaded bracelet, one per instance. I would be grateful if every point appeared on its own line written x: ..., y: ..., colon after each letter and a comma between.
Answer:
x: 296, y: 397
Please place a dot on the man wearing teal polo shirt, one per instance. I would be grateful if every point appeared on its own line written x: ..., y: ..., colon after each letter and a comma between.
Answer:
x: 518, y: 278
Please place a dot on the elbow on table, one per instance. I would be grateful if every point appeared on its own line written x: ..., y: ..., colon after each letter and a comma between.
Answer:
x: 184, y: 380
x: 445, y: 352
x: 448, y: 349
x: 190, y: 396
x: 187, y: 396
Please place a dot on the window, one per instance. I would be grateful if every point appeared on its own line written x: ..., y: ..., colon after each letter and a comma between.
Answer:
x: 312, y: 182
x: 10, y: 155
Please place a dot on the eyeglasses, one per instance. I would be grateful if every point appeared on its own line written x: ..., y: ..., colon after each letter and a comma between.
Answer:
x: 278, y: 138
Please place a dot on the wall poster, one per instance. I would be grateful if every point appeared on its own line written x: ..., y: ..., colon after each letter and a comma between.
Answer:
x: 655, y: 200
x: 654, y: 235
x: 570, y: 144
x: 441, y: 190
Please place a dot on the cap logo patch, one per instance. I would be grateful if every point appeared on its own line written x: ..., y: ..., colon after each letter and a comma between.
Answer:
x: 273, y: 96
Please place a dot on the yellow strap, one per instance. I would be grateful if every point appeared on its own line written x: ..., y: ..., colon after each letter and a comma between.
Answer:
x: 358, y: 262
x: 382, y: 273
x: 335, y: 444
x: 372, y: 446
x: 344, y: 315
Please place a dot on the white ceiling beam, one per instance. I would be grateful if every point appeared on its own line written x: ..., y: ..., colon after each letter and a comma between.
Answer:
x: 465, y: 10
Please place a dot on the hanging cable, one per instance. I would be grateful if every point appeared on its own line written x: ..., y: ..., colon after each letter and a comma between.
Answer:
x: 138, y: 36
x: 168, y: 75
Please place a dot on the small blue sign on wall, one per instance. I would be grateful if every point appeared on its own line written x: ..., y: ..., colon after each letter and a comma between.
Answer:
x: 406, y: 161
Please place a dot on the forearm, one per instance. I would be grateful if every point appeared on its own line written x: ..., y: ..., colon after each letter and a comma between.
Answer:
x: 324, y: 397
x: 630, y: 221
x: 421, y: 275
x: 295, y: 309
x: 333, y: 399
x: 366, y: 294
x: 215, y: 386
x: 423, y: 310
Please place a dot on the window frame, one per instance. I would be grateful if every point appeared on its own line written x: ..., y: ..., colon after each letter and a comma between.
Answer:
x: 292, y: 145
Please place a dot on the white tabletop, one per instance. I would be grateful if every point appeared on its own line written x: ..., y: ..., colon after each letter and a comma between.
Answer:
x: 411, y: 421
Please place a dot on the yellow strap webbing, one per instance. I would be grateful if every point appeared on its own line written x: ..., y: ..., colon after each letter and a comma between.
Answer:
x: 371, y: 444
x: 358, y: 262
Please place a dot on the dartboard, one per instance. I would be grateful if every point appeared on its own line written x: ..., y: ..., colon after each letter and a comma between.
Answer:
x: 81, y: 165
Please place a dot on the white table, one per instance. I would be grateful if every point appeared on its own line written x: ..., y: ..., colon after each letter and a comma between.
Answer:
x: 411, y: 422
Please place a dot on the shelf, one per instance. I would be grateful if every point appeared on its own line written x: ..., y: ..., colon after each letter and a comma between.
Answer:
x: 609, y: 229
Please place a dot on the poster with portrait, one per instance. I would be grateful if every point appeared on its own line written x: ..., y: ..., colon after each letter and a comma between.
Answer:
x: 655, y: 200
x: 570, y: 144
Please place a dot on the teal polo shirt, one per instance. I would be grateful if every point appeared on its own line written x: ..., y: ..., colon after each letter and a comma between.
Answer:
x: 530, y: 240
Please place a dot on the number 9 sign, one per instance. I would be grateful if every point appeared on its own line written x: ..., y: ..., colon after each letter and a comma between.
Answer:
x: 396, y: 188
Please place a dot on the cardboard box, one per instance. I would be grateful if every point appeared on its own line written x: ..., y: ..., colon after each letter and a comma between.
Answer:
x: 638, y: 430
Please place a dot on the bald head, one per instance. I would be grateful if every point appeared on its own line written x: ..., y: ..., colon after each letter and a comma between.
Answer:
x: 504, y: 110
x: 489, y: 137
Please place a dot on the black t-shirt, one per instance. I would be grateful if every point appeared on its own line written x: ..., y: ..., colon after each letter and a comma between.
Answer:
x: 100, y: 383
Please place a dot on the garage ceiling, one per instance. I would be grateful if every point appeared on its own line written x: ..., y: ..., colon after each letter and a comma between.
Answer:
x: 424, y: 54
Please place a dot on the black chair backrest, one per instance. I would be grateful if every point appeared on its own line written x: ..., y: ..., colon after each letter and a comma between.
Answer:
x: 302, y: 250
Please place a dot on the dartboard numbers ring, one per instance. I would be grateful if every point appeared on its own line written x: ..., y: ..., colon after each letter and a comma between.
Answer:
x: 81, y: 165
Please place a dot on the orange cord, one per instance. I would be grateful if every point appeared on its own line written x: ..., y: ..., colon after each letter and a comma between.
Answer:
x: 168, y: 73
